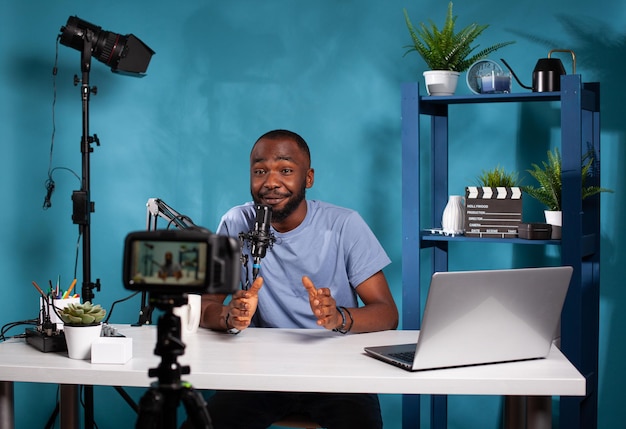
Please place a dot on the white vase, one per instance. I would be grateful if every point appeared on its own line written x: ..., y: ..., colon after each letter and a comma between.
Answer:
x: 453, y: 218
x: 79, y: 339
x: 554, y: 218
x: 441, y: 82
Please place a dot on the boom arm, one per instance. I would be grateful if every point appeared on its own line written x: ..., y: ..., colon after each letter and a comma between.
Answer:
x: 157, y: 208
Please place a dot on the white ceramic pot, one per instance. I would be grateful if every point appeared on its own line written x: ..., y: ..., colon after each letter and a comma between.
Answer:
x: 554, y: 218
x: 441, y: 82
x: 79, y: 339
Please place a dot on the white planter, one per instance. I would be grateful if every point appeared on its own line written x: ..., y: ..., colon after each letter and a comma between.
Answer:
x: 441, y: 82
x: 554, y: 218
x: 79, y: 339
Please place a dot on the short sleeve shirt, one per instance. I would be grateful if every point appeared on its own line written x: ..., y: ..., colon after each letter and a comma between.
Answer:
x: 333, y: 246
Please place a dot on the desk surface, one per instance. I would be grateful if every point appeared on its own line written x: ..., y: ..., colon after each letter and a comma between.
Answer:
x: 293, y: 360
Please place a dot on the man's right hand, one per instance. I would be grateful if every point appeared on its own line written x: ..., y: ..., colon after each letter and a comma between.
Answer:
x: 243, y: 305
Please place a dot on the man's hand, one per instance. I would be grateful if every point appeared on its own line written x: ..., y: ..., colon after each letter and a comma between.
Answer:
x: 323, y: 305
x: 243, y: 305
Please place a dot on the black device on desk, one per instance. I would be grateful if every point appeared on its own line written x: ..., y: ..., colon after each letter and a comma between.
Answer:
x: 44, y: 342
x: 217, y: 273
x: 45, y: 336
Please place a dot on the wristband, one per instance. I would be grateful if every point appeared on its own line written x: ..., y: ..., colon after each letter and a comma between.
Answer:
x: 342, y: 328
x: 231, y: 330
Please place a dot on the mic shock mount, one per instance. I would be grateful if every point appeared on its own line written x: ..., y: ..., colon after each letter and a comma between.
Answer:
x: 259, y: 239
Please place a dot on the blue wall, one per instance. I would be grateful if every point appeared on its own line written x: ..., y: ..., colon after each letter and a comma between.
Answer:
x: 224, y: 73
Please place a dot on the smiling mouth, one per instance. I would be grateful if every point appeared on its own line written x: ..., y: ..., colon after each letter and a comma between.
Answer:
x: 273, y: 199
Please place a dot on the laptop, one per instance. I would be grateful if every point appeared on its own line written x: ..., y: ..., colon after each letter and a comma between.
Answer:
x: 482, y: 317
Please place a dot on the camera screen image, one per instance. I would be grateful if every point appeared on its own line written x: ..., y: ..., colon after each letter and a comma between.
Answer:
x: 181, y: 261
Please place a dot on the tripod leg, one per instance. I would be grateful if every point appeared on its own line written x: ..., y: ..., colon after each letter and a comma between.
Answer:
x: 195, y: 405
x: 150, y: 410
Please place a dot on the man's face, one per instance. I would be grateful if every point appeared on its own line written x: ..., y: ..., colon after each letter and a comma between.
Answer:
x: 280, y: 173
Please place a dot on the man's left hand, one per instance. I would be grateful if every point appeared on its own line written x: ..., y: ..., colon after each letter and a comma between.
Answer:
x: 323, y: 305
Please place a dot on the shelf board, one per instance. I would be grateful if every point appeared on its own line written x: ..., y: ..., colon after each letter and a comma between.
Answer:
x: 428, y: 236
x: 490, y: 98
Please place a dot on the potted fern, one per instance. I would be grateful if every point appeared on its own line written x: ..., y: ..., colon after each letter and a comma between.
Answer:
x: 447, y: 52
x: 493, y: 208
x: 548, y: 193
x: 81, y: 326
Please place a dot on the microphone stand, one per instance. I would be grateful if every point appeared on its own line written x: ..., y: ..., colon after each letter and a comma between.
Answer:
x: 156, y: 208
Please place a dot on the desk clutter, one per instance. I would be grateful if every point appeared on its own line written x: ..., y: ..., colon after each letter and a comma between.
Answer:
x: 105, y: 345
x: 110, y: 348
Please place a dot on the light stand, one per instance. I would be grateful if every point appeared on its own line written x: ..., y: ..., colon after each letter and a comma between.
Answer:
x: 82, y: 206
x: 125, y: 54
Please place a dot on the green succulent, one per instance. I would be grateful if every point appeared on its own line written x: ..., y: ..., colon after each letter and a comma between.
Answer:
x: 446, y: 49
x: 82, y: 314
x: 548, y: 176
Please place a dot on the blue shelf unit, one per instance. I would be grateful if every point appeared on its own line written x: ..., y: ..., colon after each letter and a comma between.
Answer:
x: 579, y: 246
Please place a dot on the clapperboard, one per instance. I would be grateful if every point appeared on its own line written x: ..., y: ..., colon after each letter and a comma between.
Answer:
x: 492, y: 212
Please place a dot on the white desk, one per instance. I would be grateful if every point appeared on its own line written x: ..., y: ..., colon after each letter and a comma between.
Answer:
x: 293, y: 360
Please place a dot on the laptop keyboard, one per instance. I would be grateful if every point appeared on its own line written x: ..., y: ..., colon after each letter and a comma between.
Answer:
x: 404, y: 356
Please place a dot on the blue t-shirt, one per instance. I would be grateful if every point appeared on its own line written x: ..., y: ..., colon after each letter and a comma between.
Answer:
x: 333, y: 246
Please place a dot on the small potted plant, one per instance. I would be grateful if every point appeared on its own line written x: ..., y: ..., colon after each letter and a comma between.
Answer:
x: 447, y: 52
x: 494, y: 208
x: 498, y: 177
x: 81, y: 326
x: 548, y: 193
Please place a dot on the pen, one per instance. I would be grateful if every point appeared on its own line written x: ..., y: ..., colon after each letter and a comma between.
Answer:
x: 67, y: 294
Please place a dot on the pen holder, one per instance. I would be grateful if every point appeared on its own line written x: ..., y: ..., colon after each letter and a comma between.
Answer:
x: 59, y: 305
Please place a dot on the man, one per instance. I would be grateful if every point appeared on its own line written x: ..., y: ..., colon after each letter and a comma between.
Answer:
x: 324, y: 258
x: 170, y: 268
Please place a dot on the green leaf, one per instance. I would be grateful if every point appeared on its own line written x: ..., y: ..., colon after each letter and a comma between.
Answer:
x: 548, y: 176
x: 445, y: 49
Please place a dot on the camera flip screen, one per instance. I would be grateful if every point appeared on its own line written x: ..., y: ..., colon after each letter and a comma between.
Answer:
x: 181, y: 261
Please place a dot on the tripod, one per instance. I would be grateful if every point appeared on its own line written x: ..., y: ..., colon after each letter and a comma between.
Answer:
x: 157, y: 408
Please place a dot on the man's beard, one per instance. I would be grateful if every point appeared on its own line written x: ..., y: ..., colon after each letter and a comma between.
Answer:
x: 292, y: 204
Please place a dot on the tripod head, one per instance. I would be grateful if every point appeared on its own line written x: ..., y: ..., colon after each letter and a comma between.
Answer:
x: 169, y: 343
x: 157, y: 408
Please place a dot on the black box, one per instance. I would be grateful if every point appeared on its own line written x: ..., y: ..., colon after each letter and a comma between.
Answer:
x: 46, y: 343
x: 535, y: 231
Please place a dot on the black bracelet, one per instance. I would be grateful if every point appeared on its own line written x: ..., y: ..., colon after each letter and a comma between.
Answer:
x: 342, y: 328
x: 231, y: 330
x: 351, y: 319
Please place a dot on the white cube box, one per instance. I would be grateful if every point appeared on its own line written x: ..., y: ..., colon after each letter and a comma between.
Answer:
x: 112, y: 350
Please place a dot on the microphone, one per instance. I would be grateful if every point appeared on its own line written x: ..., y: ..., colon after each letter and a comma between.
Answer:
x: 260, y: 237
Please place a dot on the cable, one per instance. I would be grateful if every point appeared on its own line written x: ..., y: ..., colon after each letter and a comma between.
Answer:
x: 77, y: 252
x: 117, y: 302
x: 12, y: 325
x: 49, y: 184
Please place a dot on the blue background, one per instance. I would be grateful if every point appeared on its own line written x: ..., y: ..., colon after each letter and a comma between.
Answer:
x: 226, y: 72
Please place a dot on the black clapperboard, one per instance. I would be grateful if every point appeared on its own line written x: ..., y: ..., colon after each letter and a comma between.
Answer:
x: 493, y: 212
